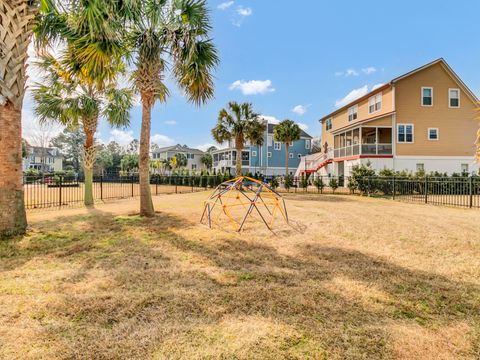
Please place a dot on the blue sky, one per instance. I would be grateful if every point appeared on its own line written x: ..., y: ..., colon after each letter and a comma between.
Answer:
x: 309, y: 55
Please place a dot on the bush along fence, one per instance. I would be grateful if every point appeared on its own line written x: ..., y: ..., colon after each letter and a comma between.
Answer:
x: 462, y: 191
x: 53, y: 190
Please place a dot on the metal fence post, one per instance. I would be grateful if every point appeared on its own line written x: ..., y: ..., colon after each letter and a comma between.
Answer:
x: 131, y: 176
x: 101, y: 187
x: 60, y: 191
x: 470, y: 190
x: 426, y: 189
x: 393, y: 188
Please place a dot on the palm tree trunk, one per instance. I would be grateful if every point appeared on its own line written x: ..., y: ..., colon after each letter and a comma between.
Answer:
x: 238, y: 165
x: 89, y: 151
x: 286, y: 158
x: 146, y: 203
x: 17, y: 20
x: 12, y: 211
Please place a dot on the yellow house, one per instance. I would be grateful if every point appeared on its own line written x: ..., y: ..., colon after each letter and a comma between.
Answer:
x: 422, y: 120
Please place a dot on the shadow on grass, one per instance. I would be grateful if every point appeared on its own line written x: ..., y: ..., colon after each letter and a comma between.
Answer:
x: 137, y: 287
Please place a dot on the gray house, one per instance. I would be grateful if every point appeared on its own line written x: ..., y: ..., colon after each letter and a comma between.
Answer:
x: 193, y: 156
x: 268, y: 159
x: 43, y: 159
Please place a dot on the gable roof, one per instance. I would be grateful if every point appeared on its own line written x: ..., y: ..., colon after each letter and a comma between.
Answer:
x: 392, y: 82
x: 179, y: 148
x: 303, y: 134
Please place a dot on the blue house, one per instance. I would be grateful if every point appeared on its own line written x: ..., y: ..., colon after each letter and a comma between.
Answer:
x: 268, y: 159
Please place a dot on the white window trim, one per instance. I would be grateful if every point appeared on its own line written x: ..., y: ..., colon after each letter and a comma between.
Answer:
x: 307, y: 144
x: 449, y: 98
x: 254, y: 153
x: 428, y: 134
x: 413, y: 133
x: 299, y: 156
x: 421, y: 95
x: 269, y: 140
x: 277, y: 145
x: 269, y: 154
x: 374, y: 97
x: 354, y: 110
x: 462, y: 171
x: 291, y: 143
x: 290, y: 155
x: 331, y: 124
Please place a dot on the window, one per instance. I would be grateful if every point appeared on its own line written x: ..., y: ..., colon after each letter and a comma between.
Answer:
x: 307, y: 144
x: 269, y: 140
x: 254, y: 153
x: 277, y: 145
x: 427, y: 96
x: 433, y: 134
x: 269, y: 154
x: 353, y: 113
x: 405, y: 133
x: 194, y: 166
x: 375, y: 103
x: 420, y: 167
x: 464, y: 168
x: 328, y: 124
x: 299, y: 156
x: 290, y: 156
x: 291, y: 143
x: 454, y: 98
x: 190, y: 156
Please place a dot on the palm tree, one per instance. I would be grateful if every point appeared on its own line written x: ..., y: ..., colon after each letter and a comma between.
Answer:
x: 287, y: 132
x: 65, y: 98
x: 239, y: 123
x: 17, y: 20
x: 169, y: 35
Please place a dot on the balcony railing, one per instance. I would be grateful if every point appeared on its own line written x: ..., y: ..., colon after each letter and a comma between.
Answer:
x: 364, y: 149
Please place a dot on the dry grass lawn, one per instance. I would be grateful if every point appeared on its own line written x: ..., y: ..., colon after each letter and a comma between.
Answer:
x: 351, y: 278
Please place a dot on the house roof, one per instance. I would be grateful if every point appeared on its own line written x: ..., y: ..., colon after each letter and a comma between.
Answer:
x: 179, y: 148
x: 45, y: 151
x: 441, y: 61
x: 303, y: 134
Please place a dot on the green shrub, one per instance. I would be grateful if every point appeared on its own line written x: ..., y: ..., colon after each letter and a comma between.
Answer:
x: 288, y: 183
x: 333, y: 184
x: 274, y: 183
x: 319, y: 184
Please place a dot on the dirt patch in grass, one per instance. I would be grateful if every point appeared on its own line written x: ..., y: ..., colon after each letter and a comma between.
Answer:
x: 353, y: 278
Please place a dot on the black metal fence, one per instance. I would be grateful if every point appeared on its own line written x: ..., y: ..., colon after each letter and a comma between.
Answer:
x: 461, y: 191
x: 43, y: 191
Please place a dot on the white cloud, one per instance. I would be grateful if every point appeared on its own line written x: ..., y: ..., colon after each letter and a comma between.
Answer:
x: 303, y: 126
x: 206, y: 146
x: 170, y: 122
x: 225, y: 5
x: 300, y: 109
x: 352, y: 95
x: 369, y: 70
x: 375, y: 87
x: 270, y: 119
x: 122, y: 137
x: 162, y: 140
x: 351, y: 72
x: 244, y: 11
x: 253, y: 87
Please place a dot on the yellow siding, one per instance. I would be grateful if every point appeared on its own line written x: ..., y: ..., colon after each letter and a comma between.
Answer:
x: 457, y: 127
x: 340, y: 119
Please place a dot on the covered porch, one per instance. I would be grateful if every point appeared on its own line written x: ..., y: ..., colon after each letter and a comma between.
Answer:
x: 364, y: 140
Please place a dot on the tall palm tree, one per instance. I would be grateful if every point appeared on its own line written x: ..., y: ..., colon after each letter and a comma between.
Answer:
x: 287, y: 132
x: 238, y: 122
x: 17, y: 20
x: 65, y: 98
x: 169, y: 34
